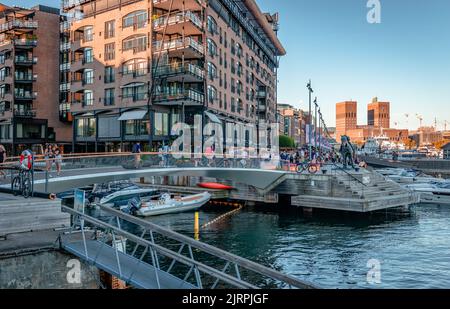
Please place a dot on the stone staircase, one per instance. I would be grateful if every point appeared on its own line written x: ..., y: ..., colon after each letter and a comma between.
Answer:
x: 362, y: 191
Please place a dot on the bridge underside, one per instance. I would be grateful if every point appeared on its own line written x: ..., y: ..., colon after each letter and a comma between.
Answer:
x: 260, y: 179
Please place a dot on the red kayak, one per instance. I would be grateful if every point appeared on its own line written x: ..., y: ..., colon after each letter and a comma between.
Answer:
x: 214, y: 185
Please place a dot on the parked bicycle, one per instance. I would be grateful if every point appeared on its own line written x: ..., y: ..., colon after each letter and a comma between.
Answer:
x: 21, y: 184
x: 309, y: 166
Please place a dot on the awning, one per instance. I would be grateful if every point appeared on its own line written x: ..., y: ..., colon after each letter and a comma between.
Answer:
x: 132, y: 85
x: 213, y: 117
x: 133, y: 115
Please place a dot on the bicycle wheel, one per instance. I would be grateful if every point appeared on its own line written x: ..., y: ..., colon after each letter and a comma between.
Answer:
x: 26, y: 187
x: 312, y: 169
x: 300, y: 168
x: 15, y: 185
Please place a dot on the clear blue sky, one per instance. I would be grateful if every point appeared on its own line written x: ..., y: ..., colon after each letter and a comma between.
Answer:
x: 404, y: 60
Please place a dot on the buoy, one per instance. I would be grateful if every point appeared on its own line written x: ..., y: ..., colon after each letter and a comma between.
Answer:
x: 214, y: 185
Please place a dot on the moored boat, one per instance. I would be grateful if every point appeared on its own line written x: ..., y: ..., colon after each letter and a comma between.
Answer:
x: 166, y: 204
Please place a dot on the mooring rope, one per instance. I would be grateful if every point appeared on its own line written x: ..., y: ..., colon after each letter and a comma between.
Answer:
x: 222, y: 217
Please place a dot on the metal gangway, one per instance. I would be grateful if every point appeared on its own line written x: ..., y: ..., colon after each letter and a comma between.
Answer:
x: 146, y: 255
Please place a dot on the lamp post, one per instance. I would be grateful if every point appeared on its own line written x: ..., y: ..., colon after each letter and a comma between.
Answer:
x: 310, y: 119
x: 315, y: 122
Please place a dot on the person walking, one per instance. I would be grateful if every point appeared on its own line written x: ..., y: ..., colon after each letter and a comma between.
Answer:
x: 137, y: 154
x: 2, y: 159
x: 58, y: 160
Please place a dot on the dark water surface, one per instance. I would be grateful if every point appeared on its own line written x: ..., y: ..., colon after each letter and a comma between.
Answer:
x: 332, y: 249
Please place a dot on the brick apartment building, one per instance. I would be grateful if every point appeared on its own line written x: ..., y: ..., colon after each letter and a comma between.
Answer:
x: 135, y: 67
x: 29, y: 81
x: 292, y: 123
x: 378, y: 122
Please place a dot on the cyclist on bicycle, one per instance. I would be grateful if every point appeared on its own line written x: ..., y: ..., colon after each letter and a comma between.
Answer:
x: 26, y: 160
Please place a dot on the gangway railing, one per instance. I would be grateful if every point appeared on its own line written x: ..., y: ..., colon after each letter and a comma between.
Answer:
x: 156, y: 257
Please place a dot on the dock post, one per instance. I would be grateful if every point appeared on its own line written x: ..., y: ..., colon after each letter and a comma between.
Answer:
x: 196, y: 226
x: 307, y: 211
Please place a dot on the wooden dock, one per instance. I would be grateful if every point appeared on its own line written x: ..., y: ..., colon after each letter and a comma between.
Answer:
x: 18, y: 215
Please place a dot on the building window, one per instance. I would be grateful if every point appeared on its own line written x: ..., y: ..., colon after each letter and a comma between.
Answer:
x: 212, y: 25
x: 110, y: 51
x: 110, y: 29
x: 212, y: 71
x: 161, y: 124
x: 88, y: 98
x: 135, y: 43
x: 109, y: 75
x: 88, y: 55
x: 109, y: 97
x: 86, y: 127
x: 212, y: 94
x: 136, y: 20
x: 137, y: 67
x: 88, y: 77
x: 212, y: 48
x: 88, y: 33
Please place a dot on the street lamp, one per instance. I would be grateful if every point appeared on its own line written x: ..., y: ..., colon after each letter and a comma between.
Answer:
x: 310, y: 118
x: 315, y: 122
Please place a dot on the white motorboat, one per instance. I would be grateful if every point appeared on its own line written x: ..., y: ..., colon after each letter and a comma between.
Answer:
x: 432, y: 192
x: 122, y: 197
x: 406, y: 176
x: 166, y: 204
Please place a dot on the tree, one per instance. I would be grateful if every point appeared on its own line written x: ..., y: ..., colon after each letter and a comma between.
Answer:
x: 439, y: 145
x: 410, y: 143
x: 286, y: 142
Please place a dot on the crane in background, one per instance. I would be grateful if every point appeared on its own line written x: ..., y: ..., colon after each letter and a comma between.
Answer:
x: 420, y: 118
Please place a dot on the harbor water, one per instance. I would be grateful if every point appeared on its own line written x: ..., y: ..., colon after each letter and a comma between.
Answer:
x: 333, y: 250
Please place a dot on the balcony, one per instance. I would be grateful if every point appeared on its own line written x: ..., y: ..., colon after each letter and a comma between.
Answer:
x: 186, y: 21
x: 189, y: 97
x: 25, y: 43
x: 64, y: 47
x: 19, y: 25
x: 69, y: 4
x: 187, y: 47
x: 24, y: 77
x: 261, y: 94
x: 64, y: 66
x: 25, y: 61
x: 188, y: 72
x: 64, y: 87
x: 135, y: 97
x: 25, y: 95
x: 28, y: 113
x: 262, y: 108
x: 64, y: 26
x: 191, y: 5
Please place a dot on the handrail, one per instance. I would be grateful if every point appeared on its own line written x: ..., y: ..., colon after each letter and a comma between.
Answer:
x: 148, y: 226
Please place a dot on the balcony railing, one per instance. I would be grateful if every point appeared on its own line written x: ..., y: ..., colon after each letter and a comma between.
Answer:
x: 64, y: 87
x: 156, y: 2
x: 140, y: 96
x: 64, y: 26
x: 18, y: 24
x: 25, y: 113
x: 178, y: 18
x: 188, y: 68
x: 25, y: 60
x: 28, y: 95
x: 67, y: 4
x: 261, y: 94
x: 25, y: 42
x: 179, y: 94
x: 179, y: 44
x: 64, y: 66
x: 64, y: 46
x: 25, y: 77
x: 136, y: 73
